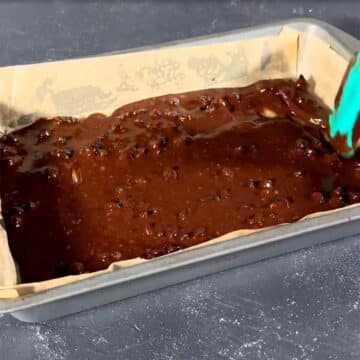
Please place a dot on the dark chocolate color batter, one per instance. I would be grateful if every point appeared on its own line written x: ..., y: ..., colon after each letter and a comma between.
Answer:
x: 166, y: 173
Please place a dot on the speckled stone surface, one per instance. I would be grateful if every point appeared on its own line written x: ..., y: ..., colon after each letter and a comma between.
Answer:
x: 305, y: 305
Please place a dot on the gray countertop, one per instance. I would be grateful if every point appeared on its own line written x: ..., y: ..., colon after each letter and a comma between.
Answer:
x: 305, y: 305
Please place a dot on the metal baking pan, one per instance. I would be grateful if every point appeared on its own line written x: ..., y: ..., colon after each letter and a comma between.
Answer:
x: 179, y: 267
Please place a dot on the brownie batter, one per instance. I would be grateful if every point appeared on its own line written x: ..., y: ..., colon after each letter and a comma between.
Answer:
x: 166, y: 173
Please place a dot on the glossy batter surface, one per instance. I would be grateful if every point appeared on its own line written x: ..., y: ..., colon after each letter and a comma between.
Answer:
x: 166, y: 173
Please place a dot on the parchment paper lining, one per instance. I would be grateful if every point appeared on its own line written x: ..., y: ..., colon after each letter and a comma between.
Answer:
x: 102, y: 84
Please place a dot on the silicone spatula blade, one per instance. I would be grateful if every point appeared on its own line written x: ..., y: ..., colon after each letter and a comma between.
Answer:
x: 343, y: 127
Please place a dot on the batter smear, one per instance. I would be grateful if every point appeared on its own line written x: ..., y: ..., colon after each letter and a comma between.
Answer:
x: 166, y: 173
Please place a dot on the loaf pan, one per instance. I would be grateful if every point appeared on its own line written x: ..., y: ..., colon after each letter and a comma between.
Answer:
x: 179, y: 267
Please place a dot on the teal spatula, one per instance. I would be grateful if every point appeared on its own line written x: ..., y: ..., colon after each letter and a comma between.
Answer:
x: 343, y: 119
